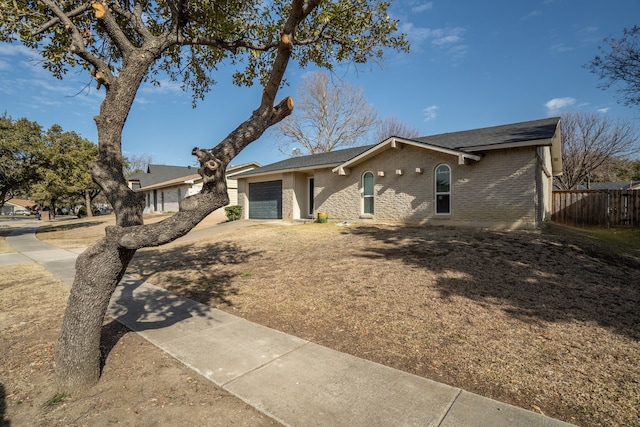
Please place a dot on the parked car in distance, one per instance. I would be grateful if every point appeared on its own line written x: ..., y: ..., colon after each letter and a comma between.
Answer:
x: 21, y: 212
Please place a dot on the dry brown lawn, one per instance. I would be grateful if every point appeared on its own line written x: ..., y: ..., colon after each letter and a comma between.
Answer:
x: 546, y: 321
x: 140, y: 384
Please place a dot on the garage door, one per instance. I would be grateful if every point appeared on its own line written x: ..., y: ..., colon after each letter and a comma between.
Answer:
x: 265, y: 200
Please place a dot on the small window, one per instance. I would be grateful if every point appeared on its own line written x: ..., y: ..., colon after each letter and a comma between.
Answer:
x: 443, y: 190
x: 367, y: 193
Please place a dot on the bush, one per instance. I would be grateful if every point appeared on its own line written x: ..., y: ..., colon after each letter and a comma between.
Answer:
x: 233, y: 212
x: 82, y: 211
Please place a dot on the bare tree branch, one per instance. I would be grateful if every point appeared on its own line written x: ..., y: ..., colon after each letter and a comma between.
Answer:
x: 590, y: 140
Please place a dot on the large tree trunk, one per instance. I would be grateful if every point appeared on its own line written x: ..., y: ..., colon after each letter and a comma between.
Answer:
x: 98, y: 271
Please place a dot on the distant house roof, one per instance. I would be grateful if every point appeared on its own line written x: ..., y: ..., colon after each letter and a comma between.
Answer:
x: 156, y: 174
x: 162, y: 176
x: 22, y: 202
x: 532, y: 133
x: 624, y: 185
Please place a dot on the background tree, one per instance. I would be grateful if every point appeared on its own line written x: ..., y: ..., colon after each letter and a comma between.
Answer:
x: 125, y: 42
x: 590, y: 140
x: 63, y: 168
x: 328, y: 116
x: 619, y: 64
x: 618, y: 169
x: 20, y: 142
x: 136, y: 163
x: 392, y: 126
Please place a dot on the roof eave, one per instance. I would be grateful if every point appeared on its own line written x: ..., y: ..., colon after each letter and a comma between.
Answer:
x: 285, y: 170
x: 505, y: 145
x: 395, y: 142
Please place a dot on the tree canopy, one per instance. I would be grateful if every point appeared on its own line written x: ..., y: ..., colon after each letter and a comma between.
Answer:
x: 63, y: 167
x: 20, y: 142
x: 43, y: 165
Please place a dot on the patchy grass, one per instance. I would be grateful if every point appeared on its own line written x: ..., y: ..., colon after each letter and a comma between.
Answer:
x: 57, y: 399
x: 623, y: 241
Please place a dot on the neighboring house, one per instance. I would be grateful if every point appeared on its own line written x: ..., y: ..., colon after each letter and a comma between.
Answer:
x: 165, y: 186
x: 624, y: 185
x: 15, y: 205
x: 493, y: 177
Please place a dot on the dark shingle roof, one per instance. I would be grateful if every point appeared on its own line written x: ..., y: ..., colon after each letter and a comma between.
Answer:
x: 160, y: 173
x: 505, y: 134
x: 462, y: 141
x: 310, y: 161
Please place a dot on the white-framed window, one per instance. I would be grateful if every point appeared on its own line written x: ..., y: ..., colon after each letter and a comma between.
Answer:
x: 443, y: 190
x: 367, y: 193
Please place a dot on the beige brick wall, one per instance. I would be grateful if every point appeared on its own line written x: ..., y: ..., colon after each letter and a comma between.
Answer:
x: 498, y: 191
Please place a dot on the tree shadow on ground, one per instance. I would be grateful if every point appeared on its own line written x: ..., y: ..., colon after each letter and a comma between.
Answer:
x: 66, y: 227
x: 202, y: 272
x: 533, y: 276
x: 138, y: 306
x: 3, y: 407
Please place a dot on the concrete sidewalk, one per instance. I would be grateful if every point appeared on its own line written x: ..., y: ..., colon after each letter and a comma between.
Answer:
x: 292, y: 380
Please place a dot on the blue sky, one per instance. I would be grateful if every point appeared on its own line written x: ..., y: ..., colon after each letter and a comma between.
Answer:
x: 472, y: 64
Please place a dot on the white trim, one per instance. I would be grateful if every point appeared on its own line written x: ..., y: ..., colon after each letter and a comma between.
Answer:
x: 435, y: 190
x: 519, y: 144
x: 394, y: 142
x: 362, y: 194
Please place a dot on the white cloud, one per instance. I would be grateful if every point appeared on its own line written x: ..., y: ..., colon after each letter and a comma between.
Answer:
x: 556, y: 105
x: 419, y: 8
x: 166, y: 86
x: 430, y: 113
x: 532, y: 14
x: 603, y: 110
x: 14, y: 49
x: 560, y: 48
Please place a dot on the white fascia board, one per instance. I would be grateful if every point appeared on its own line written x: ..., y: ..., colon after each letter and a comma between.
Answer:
x: 274, y: 172
x: 394, y: 142
x: 519, y: 144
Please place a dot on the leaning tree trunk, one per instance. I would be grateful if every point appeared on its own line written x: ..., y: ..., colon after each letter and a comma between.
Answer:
x: 98, y: 271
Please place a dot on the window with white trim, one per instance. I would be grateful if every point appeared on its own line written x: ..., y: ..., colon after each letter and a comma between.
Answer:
x: 367, y: 193
x: 443, y: 190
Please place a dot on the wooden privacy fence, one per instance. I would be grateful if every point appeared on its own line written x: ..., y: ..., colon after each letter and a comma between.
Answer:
x: 604, y: 208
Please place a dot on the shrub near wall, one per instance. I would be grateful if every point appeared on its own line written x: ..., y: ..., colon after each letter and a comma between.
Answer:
x: 233, y: 212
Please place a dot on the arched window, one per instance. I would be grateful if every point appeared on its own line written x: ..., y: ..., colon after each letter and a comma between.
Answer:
x: 367, y: 193
x: 443, y: 190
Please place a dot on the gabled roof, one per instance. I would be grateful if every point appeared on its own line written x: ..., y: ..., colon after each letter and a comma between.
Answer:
x: 189, y: 179
x: 308, y: 162
x: 163, y: 176
x: 234, y: 170
x: 156, y: 174
x: 468, y: 144
x: 396, y: 142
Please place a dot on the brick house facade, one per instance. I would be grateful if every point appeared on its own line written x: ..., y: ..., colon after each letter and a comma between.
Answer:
x: 498, y: 177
